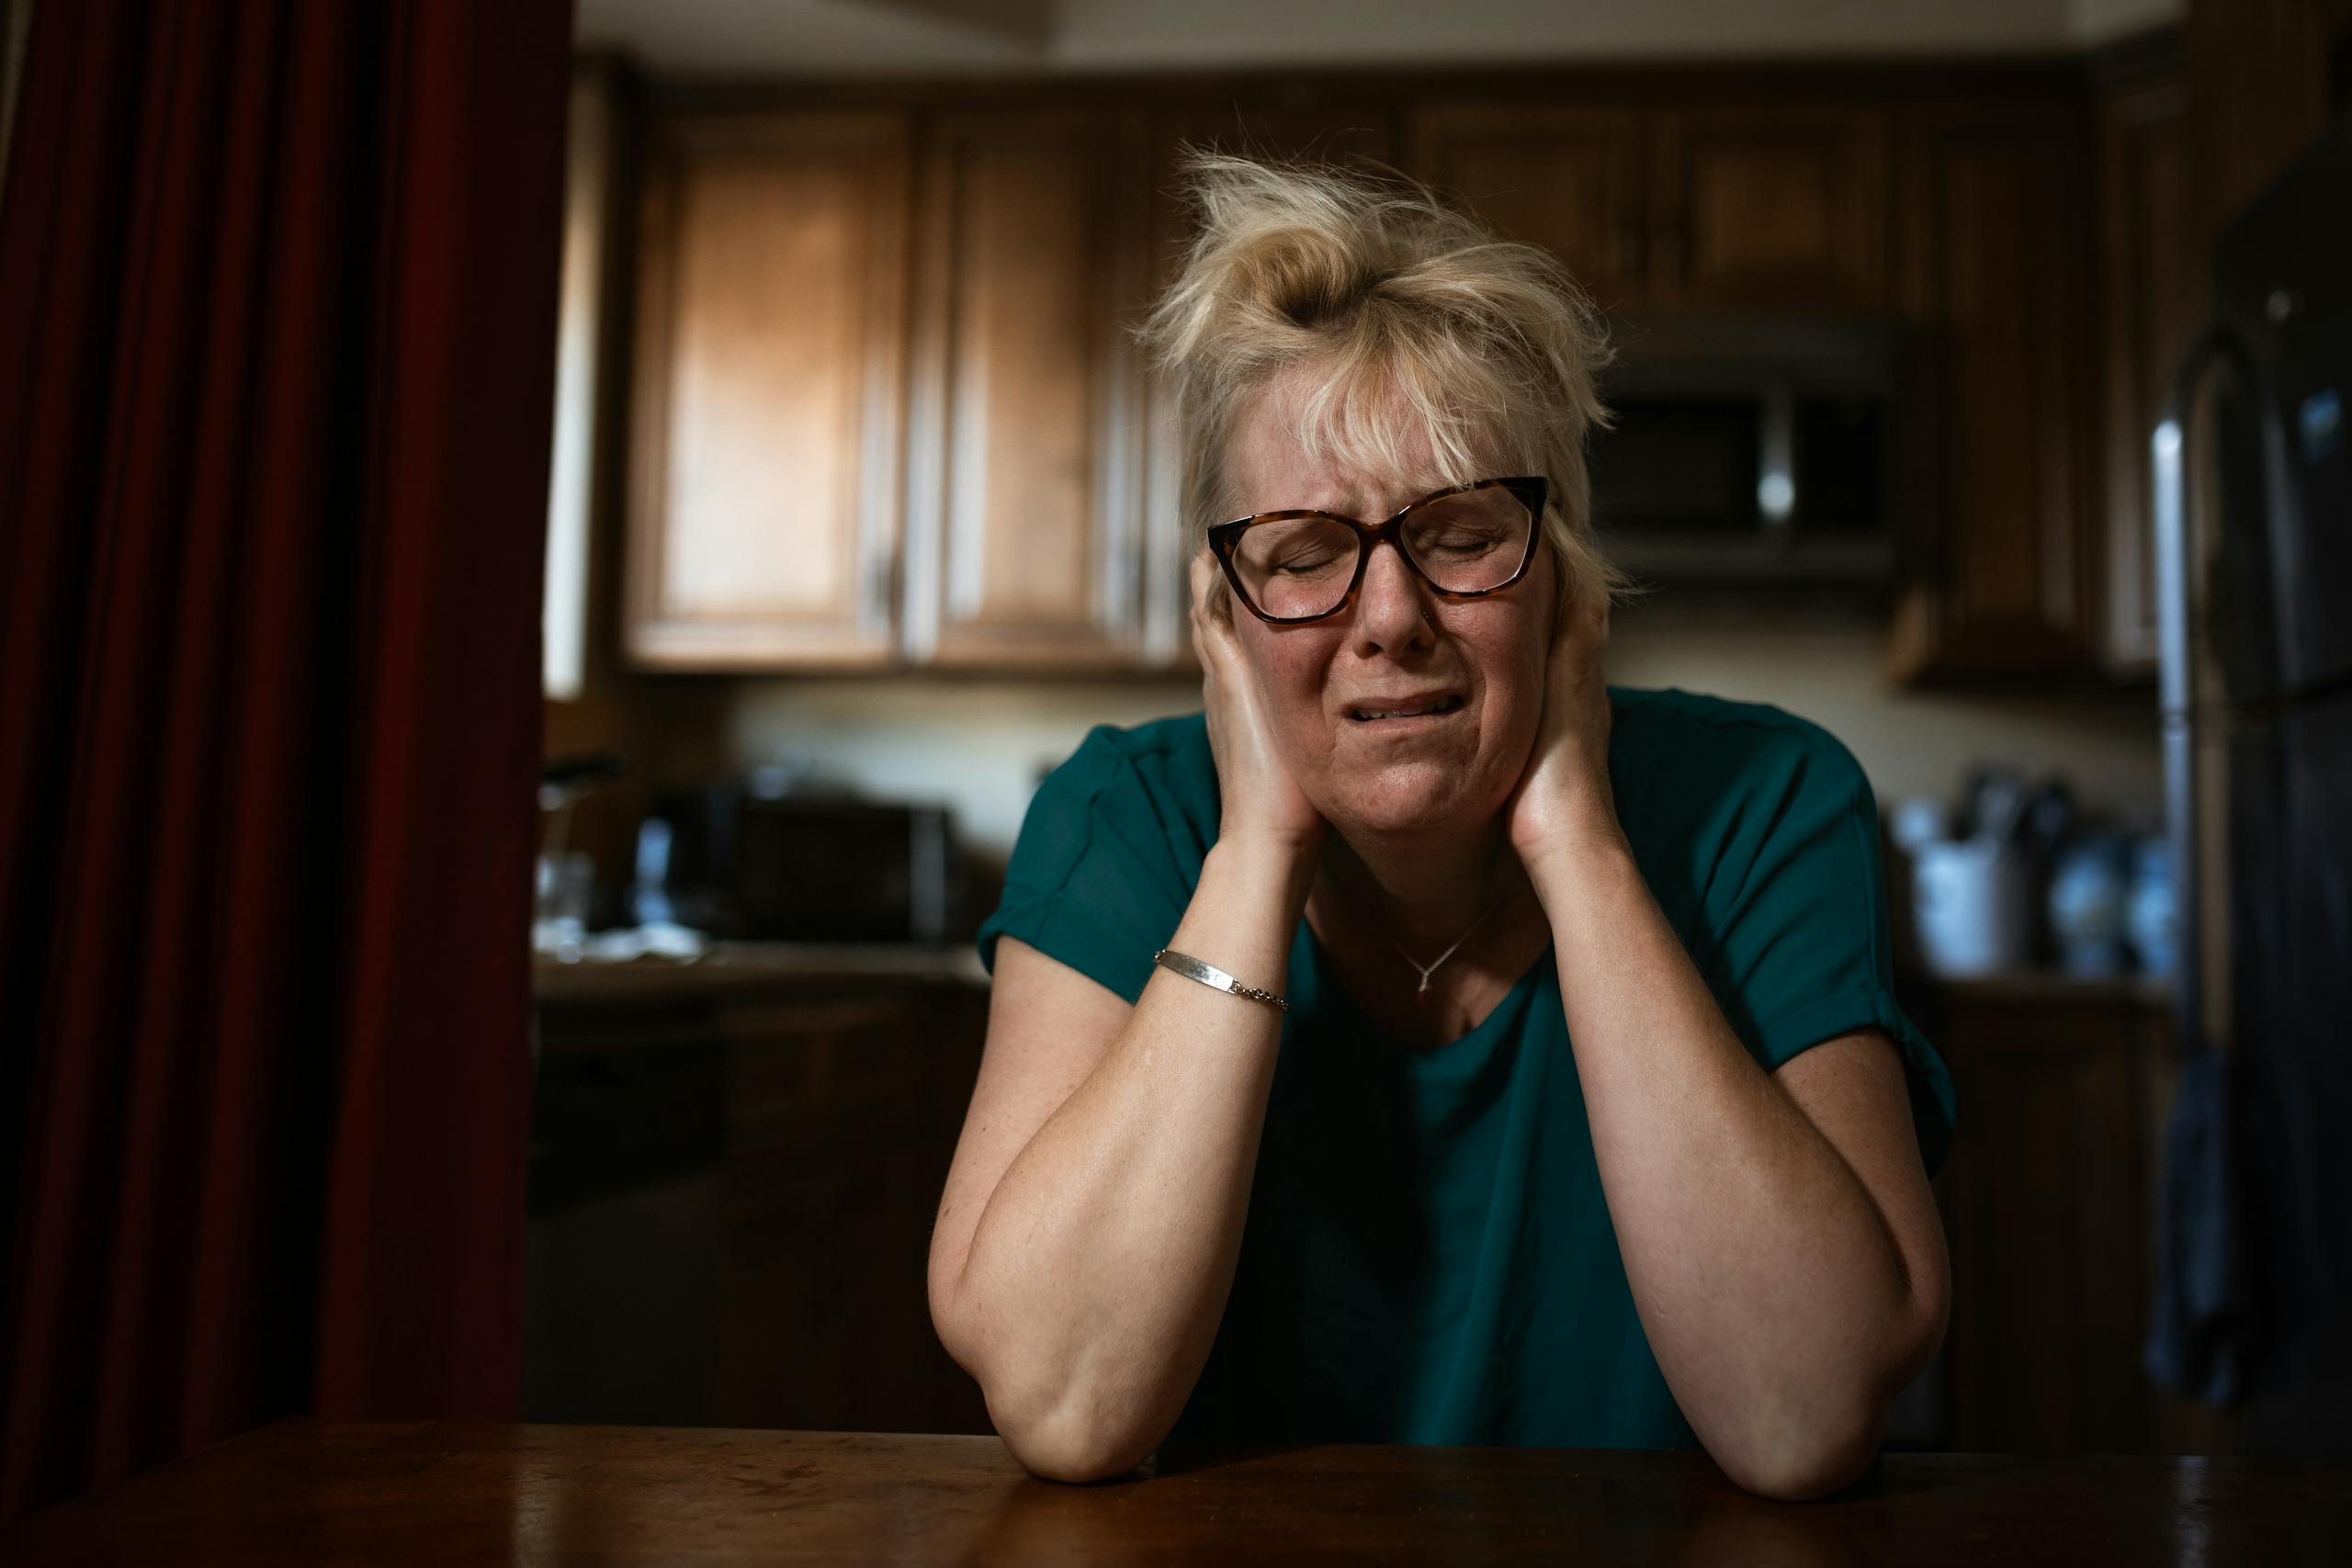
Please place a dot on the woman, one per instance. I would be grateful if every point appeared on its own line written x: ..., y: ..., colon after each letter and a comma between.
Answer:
x: 1430, y: 1043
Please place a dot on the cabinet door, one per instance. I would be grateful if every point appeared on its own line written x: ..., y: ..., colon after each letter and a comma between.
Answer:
x: 1994, y: 238
x: 1568, y: 179
x: 1772, y: 209
x: 838, y: 1144
x: 1335, y: 132
x: 772, y: 296
x: 2153, y: 288
x: 1024, y: 510
x: 2044, y: 1201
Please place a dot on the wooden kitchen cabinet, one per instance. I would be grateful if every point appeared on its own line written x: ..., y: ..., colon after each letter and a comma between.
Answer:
x: 1762, y: 206
x: 1024, y: 512
x: 888, y: 413
x: 1994, y: 237
x: 796, y: 501
x: 1569, y: 179
x: 734, y: 1174
x: 2048, y: 1197
x: 842, y: 1114
x: 764, y: 505
x: 1782, y: 208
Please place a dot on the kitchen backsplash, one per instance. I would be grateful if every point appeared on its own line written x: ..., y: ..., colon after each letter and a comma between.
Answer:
x: 980, y: 745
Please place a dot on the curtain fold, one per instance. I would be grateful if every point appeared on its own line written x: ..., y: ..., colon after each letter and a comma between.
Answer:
x: 278, y: 291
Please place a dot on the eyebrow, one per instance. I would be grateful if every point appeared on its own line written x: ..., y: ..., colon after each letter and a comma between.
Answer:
x: 1334, y: 511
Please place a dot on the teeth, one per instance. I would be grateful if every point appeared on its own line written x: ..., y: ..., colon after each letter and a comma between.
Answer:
x: 1443, y: 705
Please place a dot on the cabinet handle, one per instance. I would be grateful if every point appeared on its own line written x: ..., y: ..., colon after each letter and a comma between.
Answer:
x: 876, y: 608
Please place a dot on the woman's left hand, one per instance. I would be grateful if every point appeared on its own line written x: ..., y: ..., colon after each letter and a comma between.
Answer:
x: 1564, y: 797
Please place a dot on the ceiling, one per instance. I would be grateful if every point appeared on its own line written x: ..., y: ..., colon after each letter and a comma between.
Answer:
x: 869, y: 37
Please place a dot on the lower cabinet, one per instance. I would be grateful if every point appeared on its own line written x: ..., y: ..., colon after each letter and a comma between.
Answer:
x: 732, y: 1197
x: 732, y: 1203
x: 2048, y: 1200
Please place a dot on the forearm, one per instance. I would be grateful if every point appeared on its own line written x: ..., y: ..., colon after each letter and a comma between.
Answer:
x: 1101, y: 1267
x: 1774, y: 1297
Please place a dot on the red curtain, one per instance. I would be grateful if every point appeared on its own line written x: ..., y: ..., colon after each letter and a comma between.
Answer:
x: 277, y: 288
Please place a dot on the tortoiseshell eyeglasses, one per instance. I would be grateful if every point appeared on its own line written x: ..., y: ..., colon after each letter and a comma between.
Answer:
x: 1465, y: 541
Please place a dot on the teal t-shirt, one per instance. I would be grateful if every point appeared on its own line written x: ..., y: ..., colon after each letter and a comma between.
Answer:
x: 1428, y: 1255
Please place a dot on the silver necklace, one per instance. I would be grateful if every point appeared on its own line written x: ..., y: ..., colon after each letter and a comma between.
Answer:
x: 1430, y: 968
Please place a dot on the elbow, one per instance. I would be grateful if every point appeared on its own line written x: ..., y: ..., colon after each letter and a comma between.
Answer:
x: 1051, y: 1431
x: 1062, y: 1439
x: 1810, y: 1440
x: 1822, y: 1442
x: 1056, y: 1450
x: 1803, y: 1467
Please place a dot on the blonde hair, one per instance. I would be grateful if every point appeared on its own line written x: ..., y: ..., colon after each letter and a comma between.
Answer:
x: 1401, y: 313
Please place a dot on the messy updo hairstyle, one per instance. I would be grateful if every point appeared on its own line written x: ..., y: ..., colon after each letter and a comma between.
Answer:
x: 1394, y: 311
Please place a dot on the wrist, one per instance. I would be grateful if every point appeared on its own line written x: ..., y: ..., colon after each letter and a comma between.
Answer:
x: 1286, y: 862
x: 1574, y: 851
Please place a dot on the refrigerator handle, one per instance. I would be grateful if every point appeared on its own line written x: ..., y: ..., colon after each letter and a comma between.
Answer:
x: 2176, y: 690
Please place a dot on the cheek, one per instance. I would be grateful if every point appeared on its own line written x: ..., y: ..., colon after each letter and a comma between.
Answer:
x: 1504, y: 641
x: 1512, y: 657
x: 1291, y: 667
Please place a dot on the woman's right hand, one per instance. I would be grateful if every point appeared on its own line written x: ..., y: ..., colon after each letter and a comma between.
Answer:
x: 1261, y: 801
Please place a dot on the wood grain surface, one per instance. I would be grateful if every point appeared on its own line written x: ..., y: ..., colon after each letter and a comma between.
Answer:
x: 305, y: 1491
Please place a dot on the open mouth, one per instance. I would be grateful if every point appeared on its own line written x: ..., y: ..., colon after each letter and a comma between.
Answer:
x: 1426, y: 708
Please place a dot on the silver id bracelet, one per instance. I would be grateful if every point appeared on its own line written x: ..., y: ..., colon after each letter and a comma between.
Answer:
x: 1210, y: 974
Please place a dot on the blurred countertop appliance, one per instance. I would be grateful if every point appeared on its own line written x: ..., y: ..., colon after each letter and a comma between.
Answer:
x: 765, y: 858
x: 2255, y: 1287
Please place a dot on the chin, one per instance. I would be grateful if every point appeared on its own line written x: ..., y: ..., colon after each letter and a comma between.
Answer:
x: 1408, y: 798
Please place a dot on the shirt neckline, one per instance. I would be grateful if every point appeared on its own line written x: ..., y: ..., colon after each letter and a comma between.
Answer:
x: 1324, y: 988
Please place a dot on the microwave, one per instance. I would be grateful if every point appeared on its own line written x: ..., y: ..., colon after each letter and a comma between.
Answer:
x: 1754, y: 450
x: 742, y: 861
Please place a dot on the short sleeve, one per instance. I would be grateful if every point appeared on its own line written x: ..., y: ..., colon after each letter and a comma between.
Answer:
x: 1796, y: 908
x: 1099, y: 877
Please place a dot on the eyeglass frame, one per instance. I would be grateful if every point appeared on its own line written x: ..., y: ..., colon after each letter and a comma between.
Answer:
x: 1223, y: 537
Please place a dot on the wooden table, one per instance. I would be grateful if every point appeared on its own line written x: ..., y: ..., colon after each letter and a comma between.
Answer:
x: 446, y: 1493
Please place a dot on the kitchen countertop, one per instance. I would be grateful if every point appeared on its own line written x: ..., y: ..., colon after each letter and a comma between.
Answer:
x: 2044, y: 986
x: 730, y: 968
x: 733, y: 967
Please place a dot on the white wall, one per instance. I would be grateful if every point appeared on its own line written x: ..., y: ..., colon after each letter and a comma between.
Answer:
x: 980, y: 745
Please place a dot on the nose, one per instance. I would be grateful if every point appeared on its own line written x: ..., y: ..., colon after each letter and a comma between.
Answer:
x: 1392, y: 607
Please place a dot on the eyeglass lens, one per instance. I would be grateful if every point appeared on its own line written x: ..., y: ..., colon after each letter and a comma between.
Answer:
x: 1467, y: 543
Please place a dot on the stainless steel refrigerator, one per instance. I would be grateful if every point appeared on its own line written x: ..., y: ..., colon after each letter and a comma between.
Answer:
x: 2253, y: 1307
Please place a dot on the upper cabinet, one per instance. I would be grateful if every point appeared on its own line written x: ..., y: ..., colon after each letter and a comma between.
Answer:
x: 1025, y: 514
x: 1567, y: 179
x: 1752, y: 208
x: 889, y: 411
x: 1778, y: 207
x: 1995, y: 235
x: 769, y: 374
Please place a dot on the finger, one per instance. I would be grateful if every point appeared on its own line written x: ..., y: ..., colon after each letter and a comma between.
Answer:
x: 1217, y: 608
x: 1204, y: 575
x: 1204, y: 570
x: 1586, y: 620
